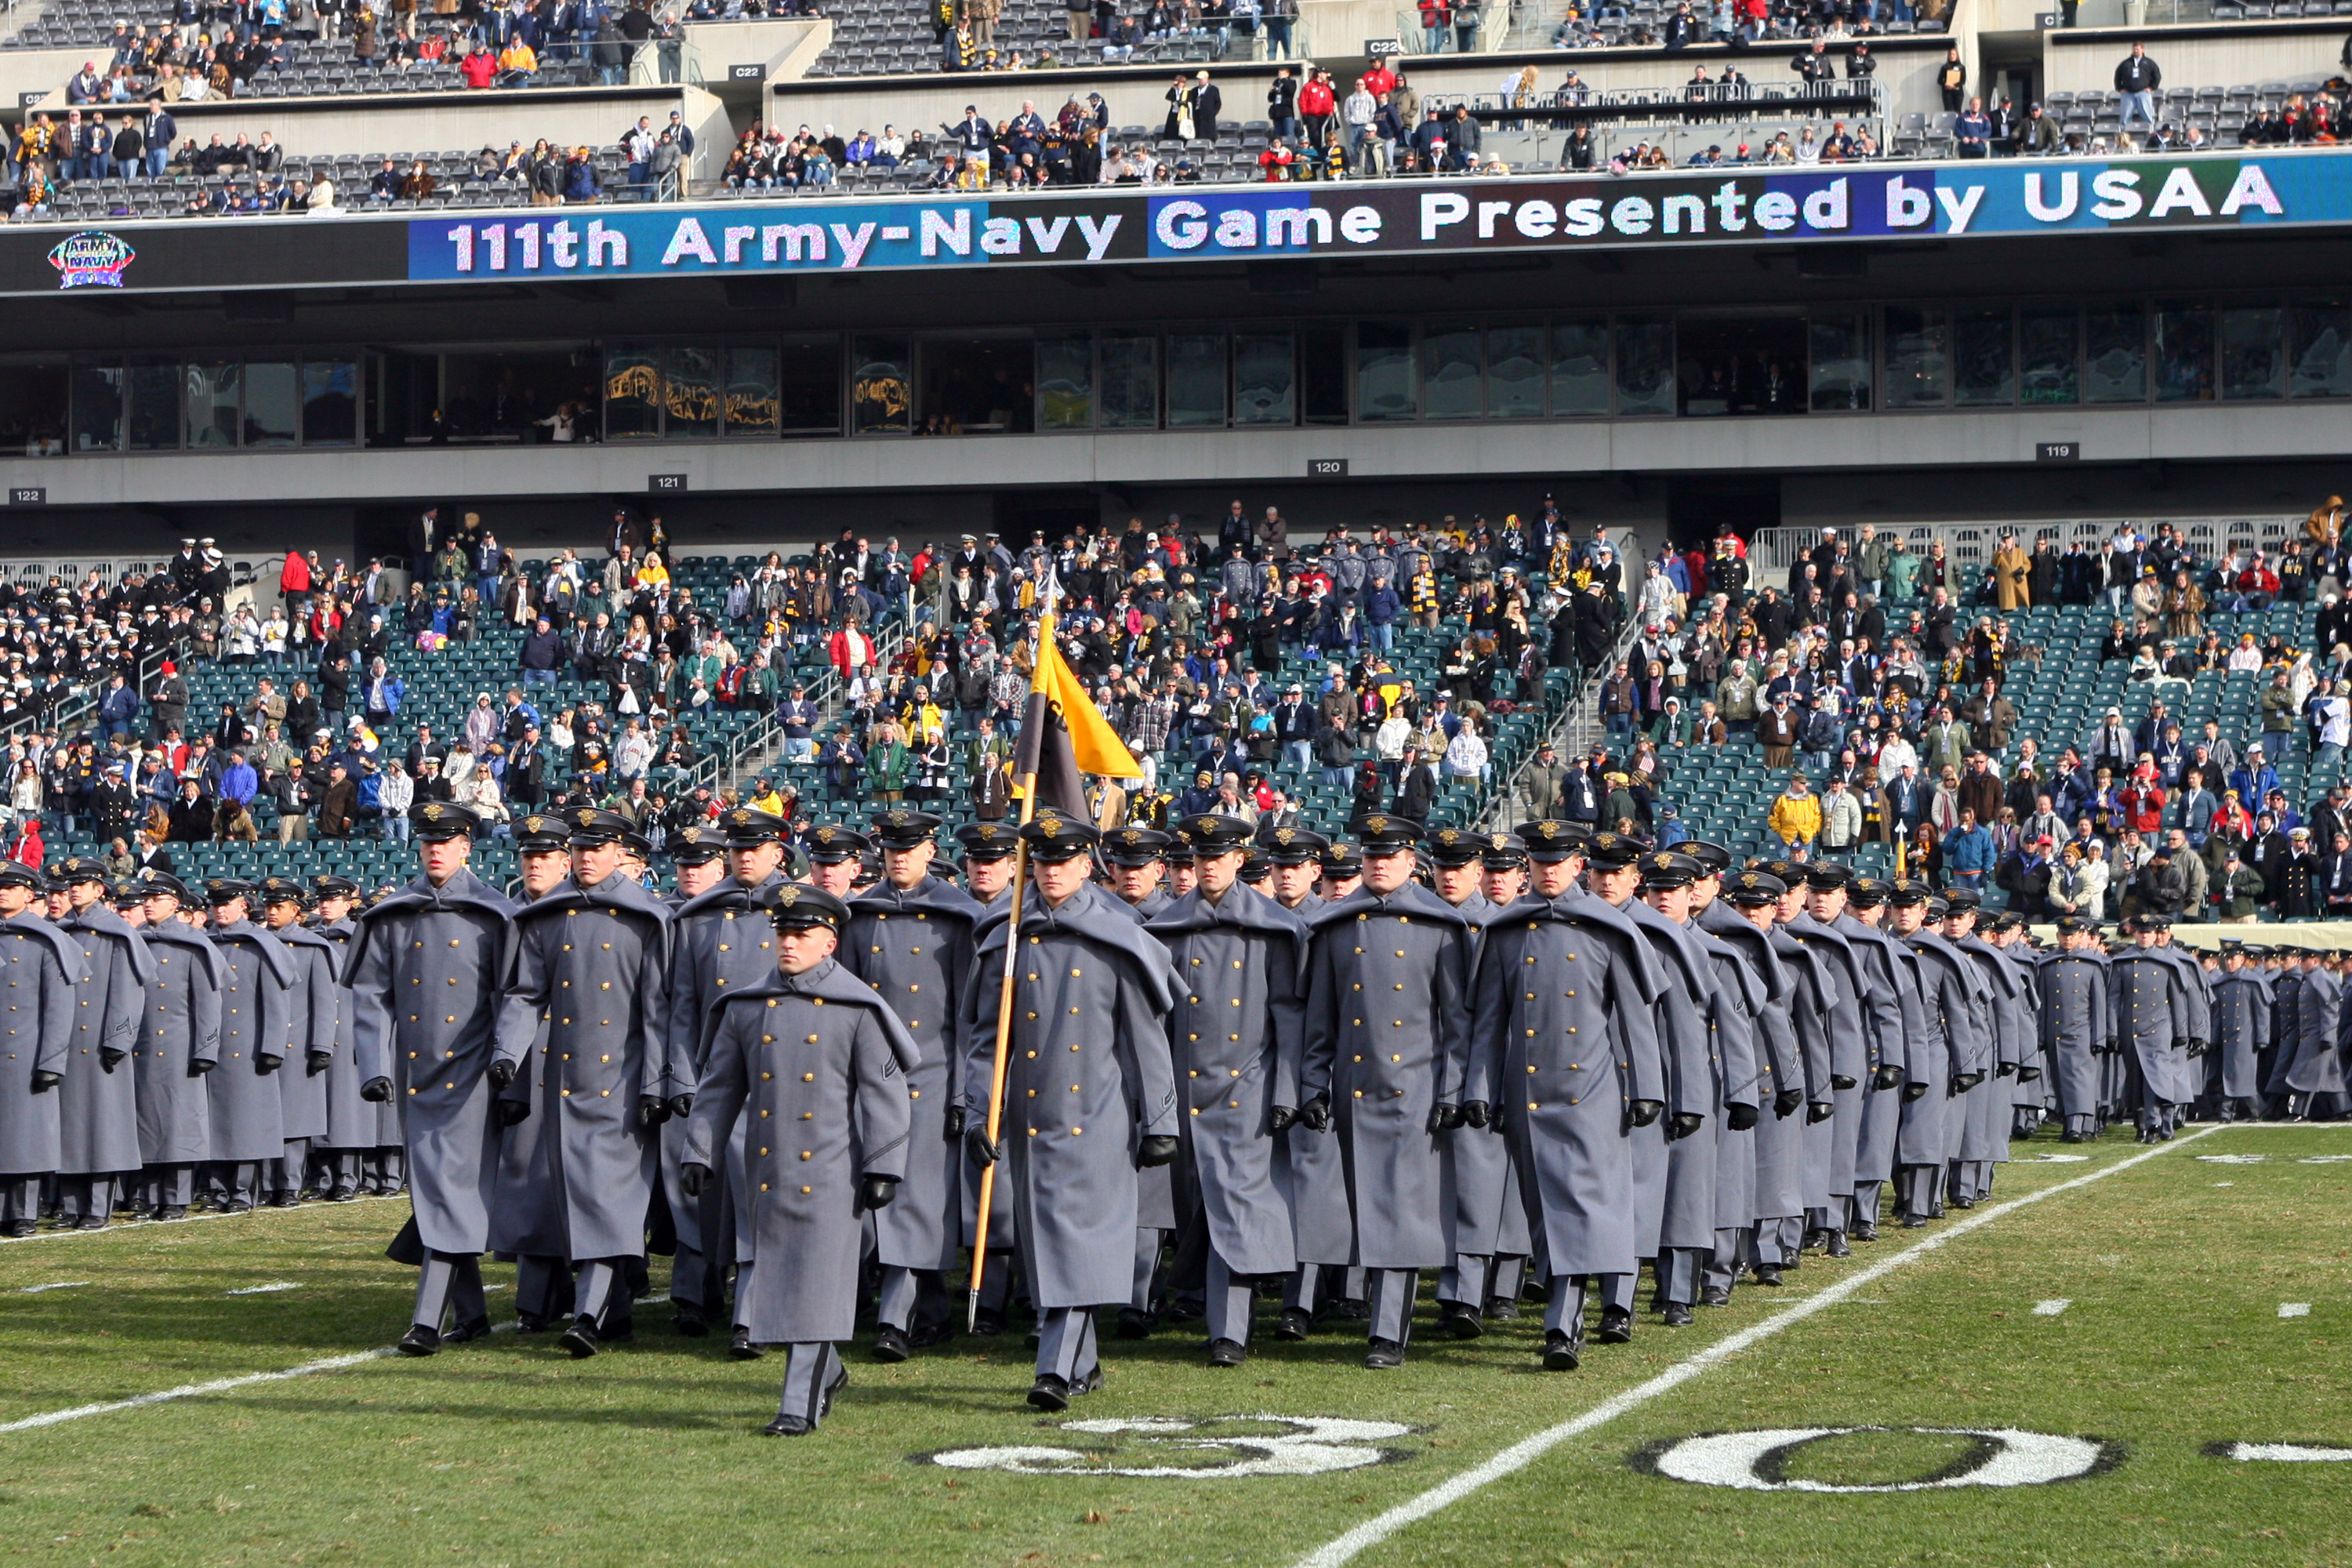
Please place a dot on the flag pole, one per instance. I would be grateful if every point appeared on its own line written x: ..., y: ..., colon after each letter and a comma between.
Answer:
x: 1027, y: 785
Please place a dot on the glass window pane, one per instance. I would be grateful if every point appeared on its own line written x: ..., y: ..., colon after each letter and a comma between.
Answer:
x: 97, y: 407
x: 1645, y: 365
x: 808, y: 385
x: 2250, y: 353
x: 211, y: 405
x: 632, y: 391
x: 154, y: 408
x: 2318, y: 349
x: 1384, y: 378
x: 1196, y: 380
x: 2114, y: 354
x: 331, y: 404
x: 1918, y: 346
x: 690, y: 391
x: 1514, y: 373
x: 2049, y: 354
x: 1265, y: 379
x: 1323, y: 372
x: 2184, y: 354
x: 32, y: 403
x: 1130, y: 381
x: 1580, y: 367
x: 881, y: 396
x: 751, y: 392
x: 270, y: 413
x: 1984, y: 359
x: 1837, y: 346
x: 1450, y: 373
x: 1066, y: 381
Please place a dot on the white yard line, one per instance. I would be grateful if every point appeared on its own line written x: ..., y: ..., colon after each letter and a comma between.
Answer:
x: 1528, y: 1450
x: 273, y: 1285
x: 148, y: 1226
x: 60, y: 1285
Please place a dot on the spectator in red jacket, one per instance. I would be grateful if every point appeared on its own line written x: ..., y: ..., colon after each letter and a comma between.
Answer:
x: 294, y: 579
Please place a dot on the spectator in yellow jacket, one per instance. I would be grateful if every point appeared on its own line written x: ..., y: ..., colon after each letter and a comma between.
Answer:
x: 1797, y: 815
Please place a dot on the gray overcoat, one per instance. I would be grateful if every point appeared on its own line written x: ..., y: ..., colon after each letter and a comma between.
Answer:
x: 97, y: 1106
x: 179, y: 1023
x: 44, y: 966
x: 258, y: 1006
x: 2077, y: 1022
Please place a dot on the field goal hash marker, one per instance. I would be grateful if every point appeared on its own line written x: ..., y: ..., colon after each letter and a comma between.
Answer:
x: 2051, y: 1309
x: 1528, y: 1450
x: 2295, y: 1309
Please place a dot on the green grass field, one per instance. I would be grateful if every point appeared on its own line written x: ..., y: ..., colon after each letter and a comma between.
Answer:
x: 2173, y: 1271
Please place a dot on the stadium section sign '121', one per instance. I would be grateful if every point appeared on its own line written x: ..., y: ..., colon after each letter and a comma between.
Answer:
x: 1399, y: 218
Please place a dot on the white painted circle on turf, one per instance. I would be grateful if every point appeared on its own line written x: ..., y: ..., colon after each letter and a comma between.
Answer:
x: 2012, y: 1459
x: 1316, y: 1445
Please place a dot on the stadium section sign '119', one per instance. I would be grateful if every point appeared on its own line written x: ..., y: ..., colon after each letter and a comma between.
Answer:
x: 1199, y: 223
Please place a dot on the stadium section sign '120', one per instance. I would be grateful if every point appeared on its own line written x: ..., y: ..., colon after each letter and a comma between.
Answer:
x: 1199, y: 223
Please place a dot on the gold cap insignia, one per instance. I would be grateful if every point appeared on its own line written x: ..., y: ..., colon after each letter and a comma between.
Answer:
x: 1284, y: 834
x: 1051, y: 826
x: 789, y: 894
x: 432, y: 811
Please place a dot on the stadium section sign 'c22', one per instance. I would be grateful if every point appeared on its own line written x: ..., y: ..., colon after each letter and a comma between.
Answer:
x: 1388, y: 218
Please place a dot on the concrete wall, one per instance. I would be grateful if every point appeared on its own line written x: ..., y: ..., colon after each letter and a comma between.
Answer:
x: 2255, y: 53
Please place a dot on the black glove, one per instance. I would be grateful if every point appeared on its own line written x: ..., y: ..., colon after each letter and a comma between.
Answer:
x: 876, y: 1191
x: 952, y: 1129
x: 976, y: 1144
x: 1475, y: 1113
x: 501, y: 1074
x: 199, y: 1066
x: 1741, y: 1117
x: 1967, y: 1082
x: 682, y: 1105
x: 1912, y: 1091
x: 1317, y: 1114
x: 692, y: 1178
x: 316, y: 1062
x: 2115, y: 1046
x: 1818, y: 1110
x: 509, y: 1111
x: 1646, y: 1111
x: 1155, y: 1150
x: 45, y: 1081
x: 2027, y: 1075
x: 1280, y: 1118
x: 1841, y: 1080
x: 1886, y: 1077
x: 1785, y: 1104
x: 265, y: 1064
x: 1444, y: 1117
x: 652, y: 1110
x: 376, y: 1089
x: 1681, y: 1124
x: 109, y: 1057
x: 2197, y: 1047
x: 2006, y: 1068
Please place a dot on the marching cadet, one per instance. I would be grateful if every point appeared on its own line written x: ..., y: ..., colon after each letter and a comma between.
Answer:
x: 2315, y: 1068
x: 911, y: 938
x: 1982, y: 1136
x: 2152, y: 1012
x: 1820, y: 995
x: 2028, y: 1098
x: 1233, y: 1034
x: 835, y: 855
x: 2242, y: 1028
x: 1854, y: 1031
x: 1951, y: 1062
x: 311, y: 1018
x: 1744, y: 919
x: 178, y: 1042
x: 1343, y: 871
x: 1890, y: 973
x: 350, y: 1120
x: 595, y: 955
x: 988, y: 865
x: 1311, y: 1157
x: 1574, y: 1075
x: 526, y: 1210
x: 1258, y: 873
x: 1295, y: 855
x: 98, y: 1104
x: 697, y: 859
x: 1392, y: 1068
x: 2197, y: 991
x: 2286, y: 994
x: 249, y: 1116
x: 425, y: 969
x: 988, y: 862
x: 1090, y: 1096
x: 1137, y: 859
x: 2077, y: 1023
x: 45, y: 967
x: 1743, y: 1000
x: 1504, y: 863
x: 1182, y: 878
x: 812, y: 1056
x: 719, y: 942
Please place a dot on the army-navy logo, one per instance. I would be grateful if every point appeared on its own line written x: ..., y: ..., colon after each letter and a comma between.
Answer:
x: 91, y: 260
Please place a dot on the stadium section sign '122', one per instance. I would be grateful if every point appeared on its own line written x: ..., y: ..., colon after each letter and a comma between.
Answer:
x: 1226, y: 223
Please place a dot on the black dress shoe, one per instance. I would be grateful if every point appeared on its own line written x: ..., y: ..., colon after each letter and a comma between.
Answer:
x: 1092, y: 1381
x: 2070, y: 1138
x: 173, y: 1211
x: 1296, y: 1323
x: 90, y: 1222
x: 1135, y: 1323
x: 739, y: 1345
x: 579, y: 1339
x: 1864, y: 1233
x: 1715, y: 1296
x: 1181, y: 1309
x: 1767, y: 1274
x: 1837, y: 1247
x: 239, y: 1206
x: 527, y: 1323
x: 1677, y: 1315
x: 1353, y: 1311
x: 1049, y: 1394
x: 1616, y: 1326
x: 787, y: 1426
x: 472, y: 1328
x: 889, y: 1345
x: 422, y: 1339
x: 1814, y: 1241
x: 16, y: 1227
x: 1385, y: 1354
x: 1459, y: 1323
x: 1227, y: 1352
x: 1560, y: 1353
x: 928, y: 1334
x: 1964, y: 1203
x: 343, y: 1195
x: 1499, y: 1310
x: 1914, y: 1221
x: 689, y: 1322
x: 282, y: 1200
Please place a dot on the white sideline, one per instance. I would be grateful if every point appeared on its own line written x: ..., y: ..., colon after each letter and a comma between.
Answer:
x: 148, y: 1226
x: 1528, y: 1450
x: 190, y: 1390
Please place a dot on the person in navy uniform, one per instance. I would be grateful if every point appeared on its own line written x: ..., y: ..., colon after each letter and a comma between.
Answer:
x: 45, y: 966
x: 98, y: 1104
x: 1238, y: 1013
x: 424, y: 972
x: 177, y: 1043
x: 1089, y: 1095
x: 813, y: 1061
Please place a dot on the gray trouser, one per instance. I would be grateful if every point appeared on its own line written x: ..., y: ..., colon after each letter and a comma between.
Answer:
x: 1734, y: 1250
x: 1463, y: 1281
x: 1564, y: 1313
x: 449, y: 1282
x: 1617, y: 1291
x: 168, y: 1186
x: 20, y: 1197
x: 81, y: 1197
x: 235, y: 1181
x: 339, y: 1170
x: 592, y: 1293
x: 1391, y: 1292
x: 1149, y: 1243
x: 1229, y: 1302
x: 285, y: 1175
x: 1066, y: 1343
x: 1678, y: 1273
x: 1865, y: 1204
x: 543, y: 1288
x: 809, y: 1370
